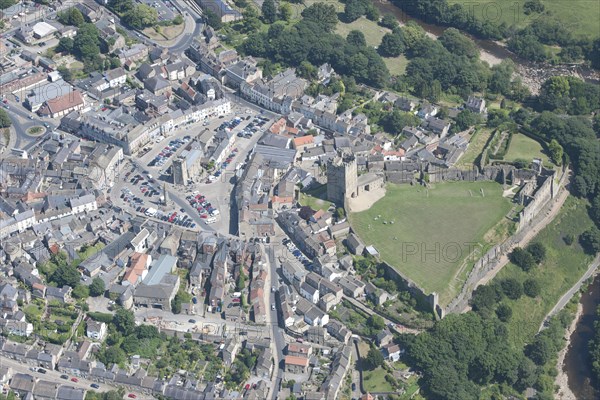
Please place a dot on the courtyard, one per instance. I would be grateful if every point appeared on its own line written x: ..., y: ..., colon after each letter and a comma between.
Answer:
x: 434, y: 235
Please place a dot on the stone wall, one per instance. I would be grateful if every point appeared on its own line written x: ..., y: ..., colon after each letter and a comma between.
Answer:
x: 429, y: 301
x: 533, y: 212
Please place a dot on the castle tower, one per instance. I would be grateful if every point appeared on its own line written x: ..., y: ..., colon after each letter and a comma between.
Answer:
x: 342, y: 178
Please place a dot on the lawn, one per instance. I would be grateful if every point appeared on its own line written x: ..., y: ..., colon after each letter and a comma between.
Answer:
x: 525, y: 148
x: 581, y: 16
x: 374, y: 381
x: 315, y: 198
x: 476, y: 145
x: 563, y: 266
x: 431, y: 234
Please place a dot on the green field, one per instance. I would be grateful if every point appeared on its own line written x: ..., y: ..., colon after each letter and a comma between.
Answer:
x: 581, y: 16
x: 525, y: 148
x: 476, y: 145
x: 428, y: 234
x: 563, y: 266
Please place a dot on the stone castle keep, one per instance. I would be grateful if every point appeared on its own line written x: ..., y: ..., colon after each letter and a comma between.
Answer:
x: 345, y: 187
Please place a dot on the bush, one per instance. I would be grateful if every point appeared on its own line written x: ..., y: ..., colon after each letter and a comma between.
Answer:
x: 522, y: 258
x: 590, y: 240
x: 512, y: 288
x: 504, y: 312
x: 531, y: 288
x: 537, y: 251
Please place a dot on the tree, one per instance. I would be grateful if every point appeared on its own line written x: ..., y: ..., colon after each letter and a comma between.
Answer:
x: 65, y: 45
x: 533, y: 6
x: 324, y: 15
x: 397, y: 120
x: 250, y: 23
x: 307, y: 70
x: 541, y: 350
x: 4, y: 4
x: 392, y: 44
x: 86, y: 44
x: 531, y: 288
x: 590, y: 240
x: 485, y: 298
x: 512, y: 288
x: 373, y: 359
x: 466, y: 119
x: 458, y: 44
x: 556, y: 151
x: 537, y: 251
x: 522, y: 258
x: 376, y: 323
x: 81, y: 292
x: 66, y: 274
x: 389, y: 21
x: 269, y: 11
x: 353, y: 10
x: 112, y: 355
x: 212, y: 19
x: 141, y: 16
x: 285, y: 11
x: 356, y: 38
x: 97, y: 287
x: 339, y: 213
x: 372, y: 13
x: 504, y: 312
x: 5, y: 121
x: 71, y: 16
x: 124, y: 321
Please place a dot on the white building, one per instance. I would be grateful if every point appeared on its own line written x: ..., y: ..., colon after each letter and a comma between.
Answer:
x: 85, y: 203
x: 95, y: 330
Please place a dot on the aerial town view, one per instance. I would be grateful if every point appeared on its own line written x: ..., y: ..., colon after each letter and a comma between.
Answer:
x: 300, y: 199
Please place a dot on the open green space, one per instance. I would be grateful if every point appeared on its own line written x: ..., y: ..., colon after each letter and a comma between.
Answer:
x: 433, y: 236
x: 563, y: 266
x: 476, y: 145
x: 525, y: 148
x: 580, y: 16
x: 374, y: 381
x: 315, y: 198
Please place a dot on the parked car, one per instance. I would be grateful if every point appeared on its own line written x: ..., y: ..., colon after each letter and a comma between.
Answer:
x: 64, y: 377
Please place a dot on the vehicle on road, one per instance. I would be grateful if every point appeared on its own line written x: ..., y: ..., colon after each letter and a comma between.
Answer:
x: 41, y: 370
x: 64, y: 377
x: 192, y: 321
x: 272, y: 307
x: 74, y: 380
x: 131, y: 396
x: 95, y: 386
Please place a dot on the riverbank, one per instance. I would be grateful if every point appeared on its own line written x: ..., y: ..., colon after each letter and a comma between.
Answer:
x: 532, y: 75
x: 562, y: 380
x: 576, y: 363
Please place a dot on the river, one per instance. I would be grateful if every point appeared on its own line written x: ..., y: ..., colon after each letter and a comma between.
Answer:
x: 577, y: 364
x: 492, y: 52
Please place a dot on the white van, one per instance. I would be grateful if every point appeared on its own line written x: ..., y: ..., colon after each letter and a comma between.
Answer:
x: 211, y: 220
x: 215, y: 212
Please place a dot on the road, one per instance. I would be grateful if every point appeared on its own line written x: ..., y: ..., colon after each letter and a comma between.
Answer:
x: 54, y: 376
x: 567, y: 296
x: 276, y: 331
x: 19, y: 117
